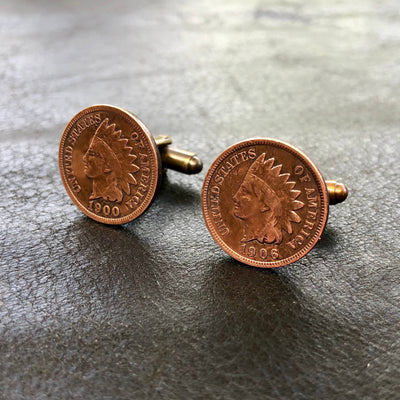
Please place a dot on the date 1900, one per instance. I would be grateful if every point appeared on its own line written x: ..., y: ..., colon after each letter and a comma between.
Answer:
x: 105, y: 209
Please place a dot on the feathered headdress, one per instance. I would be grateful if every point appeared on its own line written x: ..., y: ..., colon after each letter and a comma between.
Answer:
x: 117, y: 154
x: 280, y: 185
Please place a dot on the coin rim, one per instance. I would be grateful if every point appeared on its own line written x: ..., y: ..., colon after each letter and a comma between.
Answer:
x: 322, y: 192
x: 156, y: 165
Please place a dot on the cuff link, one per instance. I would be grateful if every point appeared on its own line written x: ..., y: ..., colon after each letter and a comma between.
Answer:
x: 111, y: 165
x: 265, y: 202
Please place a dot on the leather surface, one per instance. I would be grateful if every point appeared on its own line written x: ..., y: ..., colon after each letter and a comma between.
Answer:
x: 155, y: 309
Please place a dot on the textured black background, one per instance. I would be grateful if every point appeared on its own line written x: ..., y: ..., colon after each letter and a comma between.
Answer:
x: 155, y: 309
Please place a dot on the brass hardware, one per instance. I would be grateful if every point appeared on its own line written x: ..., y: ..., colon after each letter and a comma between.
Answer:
x: 337, y: 192
x: 177, y: 159
x: 163, y: 140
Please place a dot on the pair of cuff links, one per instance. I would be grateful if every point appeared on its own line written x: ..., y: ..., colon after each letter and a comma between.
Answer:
x: 264, y: 201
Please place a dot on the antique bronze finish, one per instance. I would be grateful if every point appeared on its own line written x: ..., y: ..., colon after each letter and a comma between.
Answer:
x: 177, y: 159
x: 110, y: 164
x: 265, y: 202
x: 337, y: 192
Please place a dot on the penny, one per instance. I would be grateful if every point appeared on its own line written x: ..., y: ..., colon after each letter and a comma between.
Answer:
x: 264, y: 202
x: 109, y: 164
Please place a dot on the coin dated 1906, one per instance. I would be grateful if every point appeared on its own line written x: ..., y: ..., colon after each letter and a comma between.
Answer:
x: 109, y: 164
x: 265, y: 202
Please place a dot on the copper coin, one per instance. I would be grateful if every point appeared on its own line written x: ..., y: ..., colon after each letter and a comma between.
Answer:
x: 265, y: 202
x: 109, y: 164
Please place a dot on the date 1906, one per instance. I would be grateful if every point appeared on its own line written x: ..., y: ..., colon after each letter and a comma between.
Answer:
x: 261, y: 253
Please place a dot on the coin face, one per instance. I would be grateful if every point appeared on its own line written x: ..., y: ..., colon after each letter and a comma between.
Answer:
x: 109, y: 164
x: 265, y: 202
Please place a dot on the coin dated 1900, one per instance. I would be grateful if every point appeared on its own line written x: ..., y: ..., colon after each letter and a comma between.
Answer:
x: 109, y: 164
x: 265, y: 202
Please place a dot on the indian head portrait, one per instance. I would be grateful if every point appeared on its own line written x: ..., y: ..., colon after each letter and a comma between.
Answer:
x: 109, y: 163
x: 266, y: 202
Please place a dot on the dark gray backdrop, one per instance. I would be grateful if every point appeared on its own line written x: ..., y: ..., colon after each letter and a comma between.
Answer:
x: 155, y: 309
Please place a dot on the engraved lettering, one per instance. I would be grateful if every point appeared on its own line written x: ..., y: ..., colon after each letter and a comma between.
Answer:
x: 106, y: 210
x: 134, y: 136
x: 309, y: 192
x: 235, y: 159
x: 134, y: 201
x: 223, y: 171
x: 69, y: 173
x: 138, y: 141
x: 312, y: 215
x: 312, y: 199
x: 299, y: 170
x: 252, y: 153
x: 263, y: 253
x: 309, y: 222
x: 305, y: 178
x: 144, y: 159
x: 143, y: 184
x: 216, y: 211
x: 219, y: 179
x: 297, y: 241
x: 304, y: 233
x: 73, y: 136
x: 251, y: 251
x: 232, y: 162
x: 84, y: 123
x: 243, y: 156
x: 115, y: 211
